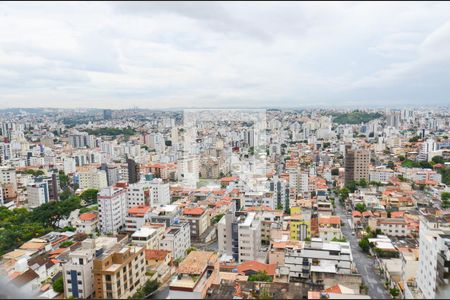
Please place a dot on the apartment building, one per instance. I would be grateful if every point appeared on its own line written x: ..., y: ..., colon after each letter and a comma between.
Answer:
x: 8, y: 180
x: 356, y: 165
x: 86, y: 223
x: 432, y: 277
x: 149, y: 236
x: 37, y: 194
x: 330, y: 228
x: 199, y: 220
x: 119, y: 273
x: 177, y: 239
x: 299, y: 224
x: 393, y: 226
x: 136, y: 217
x: 382, y: 174
x: 167, y: 214
x: 240, y: 236
x: 112, y: 207
x: 138, y: 194
x: 160, y: 192
x: 196, y: 273
x: 317, y: 259
x: 93, y: 179
x: 78, y: 273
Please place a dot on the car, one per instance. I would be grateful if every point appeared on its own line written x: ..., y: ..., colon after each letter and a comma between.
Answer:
x: 353, y: 232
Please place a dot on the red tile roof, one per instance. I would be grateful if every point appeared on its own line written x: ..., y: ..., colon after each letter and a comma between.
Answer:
x: 229, y: 179
x: 88, y: 216
x: 155, y: 254
x: 197, y: 211
x: 139, y: 210
x: 257, y: 266
x: 356, y: 213
x: 335, y: 289
x: 330, y: 220
x: 397, y: 214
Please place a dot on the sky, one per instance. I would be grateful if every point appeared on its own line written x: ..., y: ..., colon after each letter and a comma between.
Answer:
x: 241, y: 54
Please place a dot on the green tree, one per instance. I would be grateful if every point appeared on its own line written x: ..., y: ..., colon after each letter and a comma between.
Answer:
x: 58, y: 285
x: 414, y: 139
x: 362, y: 182
x: 190, y: 249
x: 217, y: 218
x: 364, y: 244
x: 260, y: 276
x: 445, y: 197
x: 394, y: 292
x: 149, y: 287
x: 390, y: 165
x: 65, y: 194
x: 438, y: 159
x: 335, y: 239
x: 89, y: 195
x: 65, y: 244
x: 264, y: 295
x: 361, y: 207
x: 344, y: 192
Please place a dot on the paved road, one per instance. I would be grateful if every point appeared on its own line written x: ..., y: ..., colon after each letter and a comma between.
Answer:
x: 364, y: 263
x: 163, y: 293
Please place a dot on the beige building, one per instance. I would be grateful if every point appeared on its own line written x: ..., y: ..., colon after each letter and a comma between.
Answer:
x: 196, y: 273
x: 93, y: 179
x: 198, y: 219
x: 356, y: 165
x: 119, y: 273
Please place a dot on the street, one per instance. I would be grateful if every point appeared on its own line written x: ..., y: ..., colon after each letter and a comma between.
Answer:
x: 364, y: 263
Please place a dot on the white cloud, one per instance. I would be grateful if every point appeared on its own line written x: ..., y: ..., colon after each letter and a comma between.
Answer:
x: 156, y: 54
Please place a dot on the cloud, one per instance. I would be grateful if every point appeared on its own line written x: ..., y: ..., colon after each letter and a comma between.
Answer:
x: 175, y: 54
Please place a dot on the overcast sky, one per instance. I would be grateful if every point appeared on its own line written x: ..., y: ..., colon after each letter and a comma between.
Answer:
x: 157, y: 55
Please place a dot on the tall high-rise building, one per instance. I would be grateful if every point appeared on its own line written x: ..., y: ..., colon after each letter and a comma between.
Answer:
x: 119, y: 273
x: 240, y: 236
x: 93, y: 179
x: 356, y: 164
x: 433, y: 273
x: 133, y: 171
x: 37, y: 194
x: 81, y: 140
x: 112, y: 205
x: 107, y: 114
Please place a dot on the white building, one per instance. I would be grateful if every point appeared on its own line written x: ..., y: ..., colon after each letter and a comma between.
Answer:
x: 93, y: 179
x: 37, y: 194
x: 177, y: 240
x: 8, y: 176
x: 432, y: 277
x: 381, y: 174
x: 318, y: 257
x: 78, y: 272
x: 112, y: 207
x: 69, y: 165
x: 160, y: 193
x: 136, y: 217
x: 139, y: 194
x: 148, y: 237
x: 240, y: 236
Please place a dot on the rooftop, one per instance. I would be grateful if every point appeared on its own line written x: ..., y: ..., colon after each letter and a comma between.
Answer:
x: 196, y: 262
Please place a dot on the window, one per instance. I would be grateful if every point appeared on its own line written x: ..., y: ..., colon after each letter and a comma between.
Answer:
x: 108, y: 277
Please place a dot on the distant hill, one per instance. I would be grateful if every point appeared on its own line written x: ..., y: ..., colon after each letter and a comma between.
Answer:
x: 355, y: 117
